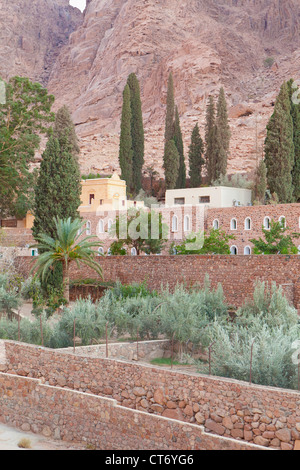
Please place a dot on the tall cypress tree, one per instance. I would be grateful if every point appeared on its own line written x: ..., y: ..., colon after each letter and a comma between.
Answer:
x: 137, y: 132
x: 223, y: 135
x: 169, y: 127
x: 210, y: 141
x: 64, y: 131
x: 171, y: 164
x: 295, y: 113
x: 196, y: 160
x: 181, y: 180
x: 279, y: 148
x: 126, y: 151
x: 58, y: 188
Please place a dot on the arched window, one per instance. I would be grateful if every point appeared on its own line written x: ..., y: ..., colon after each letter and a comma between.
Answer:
x: 88, y: 228
x: 233, y: 224
x: 174, y: 223
x: 186, y: 223
x: 234, y: 250
x: 298, y: 250
x: 109, y: 224
x: 100, y: 251
x: 248, y: 223
x: 216, y: 224
x: 133, y: 252
x: 109, y: 252
x: 282, y: 220
x: 101, y: 226
x: 267, y: 223
x: 247, y: 250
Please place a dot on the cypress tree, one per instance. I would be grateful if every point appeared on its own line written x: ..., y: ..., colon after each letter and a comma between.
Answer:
x: 210, y: 141
x: 181, y: 180
x: 196, y: 160
x: 126, y: 151
x: 295, y: 113
x: 137, y: 132
x: 279, y: 148
x: 64, y: 131
x: 169, y: 128
x: 222, y: 134
x: 260, y: 182
x: 171, y: 164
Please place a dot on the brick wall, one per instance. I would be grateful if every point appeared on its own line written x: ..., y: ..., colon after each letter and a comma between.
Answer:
x: 232, y: 409
x: 237, y: 274
x: 257, y: 214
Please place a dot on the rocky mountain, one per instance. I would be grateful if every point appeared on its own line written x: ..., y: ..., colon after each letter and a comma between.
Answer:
x: 248, y: 46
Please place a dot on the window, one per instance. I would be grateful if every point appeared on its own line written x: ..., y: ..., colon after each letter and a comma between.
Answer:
x: 101, y: 202
x: 88, y: 228
x: 298, y: 250
x: 101, y: 226
x: 248, y: 223
x: 233, y: 224
x: 133, y: 252
x: 247, y: 250
x: 109, y: 224
x: 267, y: 223
x: 282, y: 220
x: 180, y: 201
x: 174, y: 223
x: 92, y: 198
x: 186, y: 223
x: 109, y: 252
x: 234, y: 250
x: 204, y: 199
x: 100, y: 251
x: 216, y: 224
x: 34, y: 252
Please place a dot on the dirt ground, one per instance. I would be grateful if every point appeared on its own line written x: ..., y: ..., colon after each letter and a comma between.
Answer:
x: 10, y: 437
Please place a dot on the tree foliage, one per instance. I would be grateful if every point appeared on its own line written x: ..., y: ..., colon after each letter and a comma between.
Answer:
x: 24, y: 117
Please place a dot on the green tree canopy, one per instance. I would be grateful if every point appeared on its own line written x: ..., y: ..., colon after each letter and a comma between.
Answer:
x: 25, y: 115
x: 196, y: 160
x: 276, y: 240
x: 279, y: 148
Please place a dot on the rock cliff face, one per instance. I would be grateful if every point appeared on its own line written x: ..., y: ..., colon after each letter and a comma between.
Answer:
x: 206, y: 43
x: 32, y: 33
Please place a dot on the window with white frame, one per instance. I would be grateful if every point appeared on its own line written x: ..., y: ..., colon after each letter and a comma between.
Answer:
x: 233, y: 224
x: 216, y: 224
x: 109, y: 224
x: 267, y: 223
x: 186, y: 223
x: 282, y: 220
x: 248, y: 223
x: 100, y: 251
x: 34, y: 252
x: 88, y: 228
x: 101, y: 226
x: 174, y: 223
x: 247, y: 250
x: 234, y: 250
x: 133, y: 252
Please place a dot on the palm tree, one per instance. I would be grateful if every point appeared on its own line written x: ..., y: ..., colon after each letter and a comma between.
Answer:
x: 66, y: 248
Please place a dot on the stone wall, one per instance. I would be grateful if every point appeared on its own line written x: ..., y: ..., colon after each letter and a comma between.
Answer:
x: 237, y: 274
x: 98, y: 422
x: 260, y: 415
x: 128, y: 351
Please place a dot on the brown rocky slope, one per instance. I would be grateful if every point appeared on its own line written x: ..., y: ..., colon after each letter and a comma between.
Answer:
x: 206, y: 43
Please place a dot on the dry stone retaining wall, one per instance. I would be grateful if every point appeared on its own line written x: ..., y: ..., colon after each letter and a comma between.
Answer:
x: 98, y: 422
x: 260, y: 415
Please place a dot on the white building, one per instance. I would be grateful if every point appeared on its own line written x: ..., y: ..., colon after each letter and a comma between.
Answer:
x: 210, y: 197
